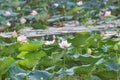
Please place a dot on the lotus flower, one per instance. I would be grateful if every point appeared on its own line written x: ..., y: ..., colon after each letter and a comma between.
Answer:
x: 22, y: 20
x: 79, y: 3
x: 22, y: 38
x: 64, y: 44
x: 49, y: 42
x: 56, y: 4
x: 34, y: 12
x: 107, y: 13
x: 7, y: 13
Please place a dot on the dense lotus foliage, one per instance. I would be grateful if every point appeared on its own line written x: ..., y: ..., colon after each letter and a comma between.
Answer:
x: 16, y: 14
x: 84, y: 56
x: 78, y: 56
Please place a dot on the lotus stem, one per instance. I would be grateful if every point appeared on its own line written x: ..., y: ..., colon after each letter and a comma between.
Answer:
x: 0, y: 77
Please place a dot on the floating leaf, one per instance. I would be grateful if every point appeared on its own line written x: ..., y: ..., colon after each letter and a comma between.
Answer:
x: 89, y: 59
x: 16, y: 73
x: 94, y: 78
x: 106, y: 75
x: 85, y: 69
x: 111, y: 65
x: 39, y: 75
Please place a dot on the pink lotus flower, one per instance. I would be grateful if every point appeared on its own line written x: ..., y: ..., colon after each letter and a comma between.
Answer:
x: 56, y: 4
x: 64, y: 44
x: 14, y: 34
x: 22, y: 20
x: 7, y: 13
x: 79, y: 3
x: 107, y: 13
x: 33, y: 13
x: 22, y: 38
x: 49, y: 42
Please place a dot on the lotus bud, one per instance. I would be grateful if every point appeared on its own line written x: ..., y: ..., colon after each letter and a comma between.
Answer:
x: 14, y: 34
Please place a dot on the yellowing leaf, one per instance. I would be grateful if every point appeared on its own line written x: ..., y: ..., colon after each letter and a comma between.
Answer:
x: 22, y: 54
x: 28, y: 63
x: 29, y: 47
x: 73, y: 10
x: 5, y: 64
